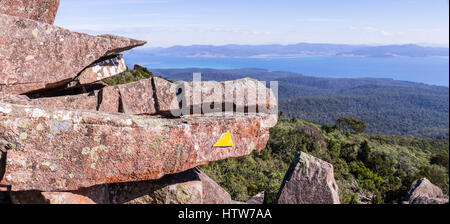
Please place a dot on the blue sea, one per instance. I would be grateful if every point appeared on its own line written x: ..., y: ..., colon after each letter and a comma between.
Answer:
x: 429, y: 70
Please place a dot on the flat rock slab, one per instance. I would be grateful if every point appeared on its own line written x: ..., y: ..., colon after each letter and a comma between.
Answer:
x: 103, y: 69
x: 35, y: 56
x: 61, y: 150
x: 38, y: 10
x: 308, y: 180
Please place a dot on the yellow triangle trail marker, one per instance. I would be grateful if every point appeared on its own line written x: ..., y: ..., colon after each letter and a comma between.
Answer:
x: 225, y: 140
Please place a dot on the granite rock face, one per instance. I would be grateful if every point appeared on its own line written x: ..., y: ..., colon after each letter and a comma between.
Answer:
x: 165, y: 96
x: 60, y: 150
x: 38, y: 10
x: 308, y: 181
x: 35, y: 56
x: 424, y: 192
x: 137, y: 97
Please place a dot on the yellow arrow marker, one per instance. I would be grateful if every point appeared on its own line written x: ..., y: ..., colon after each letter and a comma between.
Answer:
x: 225, y: 140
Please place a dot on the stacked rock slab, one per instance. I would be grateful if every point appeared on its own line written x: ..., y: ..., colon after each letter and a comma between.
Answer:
x: 308, y: 181
x: 36, y: 56
x: 153, y: 96
x: 71, y: 139
x: 62, y: 150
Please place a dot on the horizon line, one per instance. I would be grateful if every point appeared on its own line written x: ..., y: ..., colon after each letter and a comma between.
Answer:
x: 433, y: 45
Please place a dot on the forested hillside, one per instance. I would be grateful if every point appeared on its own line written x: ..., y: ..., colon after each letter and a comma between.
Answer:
x: 367, y: 168
x: 388, y: 106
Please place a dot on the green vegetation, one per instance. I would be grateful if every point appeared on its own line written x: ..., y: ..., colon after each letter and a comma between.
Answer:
x: 129, y: 76
x: 418, y: 111
x: 367, y: 168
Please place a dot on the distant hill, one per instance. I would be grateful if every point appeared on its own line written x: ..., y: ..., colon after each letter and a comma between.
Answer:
x: 295, y: 50
x: 388, y: 106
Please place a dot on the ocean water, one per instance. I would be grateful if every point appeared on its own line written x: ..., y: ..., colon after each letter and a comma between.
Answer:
x: 429, y: 70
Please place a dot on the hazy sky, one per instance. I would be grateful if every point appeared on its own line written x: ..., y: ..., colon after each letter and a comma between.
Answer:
x: 187, y: 22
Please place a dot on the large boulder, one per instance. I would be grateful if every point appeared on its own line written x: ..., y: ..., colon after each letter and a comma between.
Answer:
x: 424, y: 192
x: 309, y: 180
x: 38, y: 10
x: 36, y: 56
x: 63, y: 150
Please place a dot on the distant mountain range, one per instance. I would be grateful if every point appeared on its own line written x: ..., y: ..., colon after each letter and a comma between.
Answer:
x: 388, y: 106
x: 295, y: 50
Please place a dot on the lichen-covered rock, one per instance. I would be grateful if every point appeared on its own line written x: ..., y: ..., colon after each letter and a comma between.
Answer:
x: 38, y: 10
x: 137, y: 97
x: 424, y: 192
x: 63, y: 150
x: 165, y: 96
x: 109, y: 100
x: 35, y: 56
x: 86, y: 101
x: 309, y: 180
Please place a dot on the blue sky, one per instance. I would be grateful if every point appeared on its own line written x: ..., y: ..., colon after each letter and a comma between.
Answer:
x: 187, y: 22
